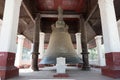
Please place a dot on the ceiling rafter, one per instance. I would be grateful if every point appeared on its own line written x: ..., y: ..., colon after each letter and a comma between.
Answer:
x: 91, y: 13
x: 28, y: 12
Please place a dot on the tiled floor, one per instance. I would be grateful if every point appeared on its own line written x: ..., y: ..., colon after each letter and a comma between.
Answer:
x: 74, y: 73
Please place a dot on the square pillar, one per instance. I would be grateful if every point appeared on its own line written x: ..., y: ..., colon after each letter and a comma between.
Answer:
x: 18, y: 58
x: 101, y: 59
x: 78, y: 43
x: 111, y: 38
x: 8, y: 39
x: 41, y: 44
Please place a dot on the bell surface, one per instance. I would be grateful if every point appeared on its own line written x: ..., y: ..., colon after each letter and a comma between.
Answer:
x: 60, y: 45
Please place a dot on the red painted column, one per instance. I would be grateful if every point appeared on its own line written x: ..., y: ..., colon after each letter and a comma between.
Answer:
x: 8, y: 39
x: 111, y: 39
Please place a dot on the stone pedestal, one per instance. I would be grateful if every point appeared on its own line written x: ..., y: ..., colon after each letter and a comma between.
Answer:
x: 112, y: 68
x: 61, y: 68
x: 7, y: 68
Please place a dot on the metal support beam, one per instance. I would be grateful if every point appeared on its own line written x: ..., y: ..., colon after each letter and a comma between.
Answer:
x: 35, y: 52
x: 85, y: 52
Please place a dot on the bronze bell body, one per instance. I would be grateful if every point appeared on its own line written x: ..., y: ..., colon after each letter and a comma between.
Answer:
x: 60, y: 45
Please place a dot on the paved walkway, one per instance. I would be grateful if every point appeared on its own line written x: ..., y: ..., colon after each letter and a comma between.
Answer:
x: 74, y: 73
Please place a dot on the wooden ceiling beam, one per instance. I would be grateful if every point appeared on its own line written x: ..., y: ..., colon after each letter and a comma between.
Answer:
x: 56, y: 12
x: 28, y: 12
x: 23, y: 21
x: 56, y: 15
x: 91, y: 13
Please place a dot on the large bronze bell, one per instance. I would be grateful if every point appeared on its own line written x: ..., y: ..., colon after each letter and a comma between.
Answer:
x: 60, y: 44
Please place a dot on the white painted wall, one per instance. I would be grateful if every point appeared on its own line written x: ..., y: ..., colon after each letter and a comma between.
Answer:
x: 118, y: 23
x: 0, y: 24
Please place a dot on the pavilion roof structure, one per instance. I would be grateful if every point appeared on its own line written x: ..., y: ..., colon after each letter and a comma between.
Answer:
x: 73, y: 9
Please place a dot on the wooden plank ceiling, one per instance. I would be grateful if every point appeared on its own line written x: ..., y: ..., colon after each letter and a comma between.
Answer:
x: 67, y: 5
